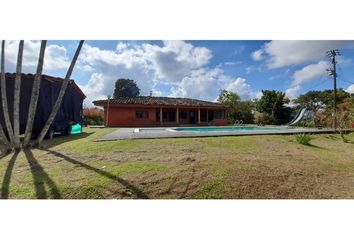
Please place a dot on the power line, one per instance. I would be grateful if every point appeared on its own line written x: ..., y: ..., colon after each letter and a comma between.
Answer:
x: 341, y: 79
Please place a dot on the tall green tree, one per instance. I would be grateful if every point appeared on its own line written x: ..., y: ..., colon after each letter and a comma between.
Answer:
x: 272, y: 103
x: 125, y: 88
x: 239, y: 110
x: 228, y: 98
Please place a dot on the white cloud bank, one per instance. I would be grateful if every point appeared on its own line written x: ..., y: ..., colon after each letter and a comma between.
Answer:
x: 350, y: 89
x: 55, y: 56
x: 283, y: 53
x: 312, y: 54
x: 179, y: 66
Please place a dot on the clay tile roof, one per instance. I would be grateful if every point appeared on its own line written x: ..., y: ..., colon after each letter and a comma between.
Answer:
x: 161, y: 101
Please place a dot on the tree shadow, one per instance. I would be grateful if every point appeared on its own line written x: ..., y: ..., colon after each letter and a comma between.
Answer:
x: 136, y: 191
x: 40, y: 178
x: 7, y: 177
x: 314, y: 146
x: 57, y: 140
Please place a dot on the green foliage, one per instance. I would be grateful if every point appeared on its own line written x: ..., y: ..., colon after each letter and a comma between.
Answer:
x: 315, y: 100
x: 125, y: 88
x: 306, y: 123
x: 228, y: 98
x: 272, y: 103
x: 239, y: 110
x: 312, y: 100
x: 264, y: 119
x: 303, y: 138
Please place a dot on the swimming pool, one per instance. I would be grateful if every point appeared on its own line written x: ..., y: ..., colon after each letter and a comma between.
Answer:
x: 180, y: 132
x: 226, y: 129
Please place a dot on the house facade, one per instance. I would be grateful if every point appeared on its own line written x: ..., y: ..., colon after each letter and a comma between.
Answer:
x: 145, y: 111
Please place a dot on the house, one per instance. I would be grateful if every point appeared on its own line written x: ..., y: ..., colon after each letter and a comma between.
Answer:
x: 148, y: 111
x: 70, y: 111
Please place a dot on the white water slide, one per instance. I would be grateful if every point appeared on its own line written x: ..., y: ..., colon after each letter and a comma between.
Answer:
x: 298, y: 117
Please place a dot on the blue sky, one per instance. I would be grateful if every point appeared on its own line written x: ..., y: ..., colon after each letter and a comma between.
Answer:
x: 195, y: 69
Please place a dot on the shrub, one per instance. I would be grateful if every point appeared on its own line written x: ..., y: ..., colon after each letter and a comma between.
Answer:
x: 303, y: 138
x: 93, y: 116
x: 264, y: 118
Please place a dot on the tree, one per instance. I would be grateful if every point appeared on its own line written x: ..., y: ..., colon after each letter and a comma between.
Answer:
x: 35, y: 95
x: 5, y: 109
x: 327, y: 97
x: 17, y: 90
x: 60, y: 96
x: 345, y: 117
x: 239, y: 110
x: 316, y: 100
x: 125, y: 88
x: 272, y: 103
x: 228, y: 98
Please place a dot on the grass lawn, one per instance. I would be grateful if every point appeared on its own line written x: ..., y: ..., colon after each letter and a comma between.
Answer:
x: 245, y: 167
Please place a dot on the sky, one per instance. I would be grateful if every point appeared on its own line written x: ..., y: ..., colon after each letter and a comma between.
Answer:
x: 193, y: 69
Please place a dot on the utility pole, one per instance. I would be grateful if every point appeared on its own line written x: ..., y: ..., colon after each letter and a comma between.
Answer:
x: 332, y: 72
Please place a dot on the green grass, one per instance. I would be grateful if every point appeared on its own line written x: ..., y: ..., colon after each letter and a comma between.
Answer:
x: 78, y: 167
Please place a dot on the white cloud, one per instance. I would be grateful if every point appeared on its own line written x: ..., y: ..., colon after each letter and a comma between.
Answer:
x: 201, y: 84
x: 232, y: 63
x: 243, y: 89
x: 174, y: 63
x: 257, y: 55
x: 307, y: 74
x: 251, y: 69
x: 121, y: 46
x: 350, y: 89
x: 55, y: 56
x: 282, y: 53
x: 292, y: 92
x: 310, y: 72
x: 240, y: 87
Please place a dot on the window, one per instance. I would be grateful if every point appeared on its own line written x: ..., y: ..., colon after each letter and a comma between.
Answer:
x: 219, y: 115
x: 142, y: 114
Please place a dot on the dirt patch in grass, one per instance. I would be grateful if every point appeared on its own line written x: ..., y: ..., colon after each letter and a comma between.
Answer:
x: 246, y: 167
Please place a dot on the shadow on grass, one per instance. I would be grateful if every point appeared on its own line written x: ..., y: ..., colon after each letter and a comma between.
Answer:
x: 7, y: 177
x: 136, y: 191
x: 64, y: 139
x: 40, y: 178
x: 314, y: 146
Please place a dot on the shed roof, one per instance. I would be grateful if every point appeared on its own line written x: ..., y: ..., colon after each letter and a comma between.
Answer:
x: 48, y: 78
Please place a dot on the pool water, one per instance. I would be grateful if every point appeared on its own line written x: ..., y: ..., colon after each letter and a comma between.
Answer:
x: 226, y: 129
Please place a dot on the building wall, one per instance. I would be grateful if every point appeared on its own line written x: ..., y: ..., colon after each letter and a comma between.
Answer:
x: 126, y: 117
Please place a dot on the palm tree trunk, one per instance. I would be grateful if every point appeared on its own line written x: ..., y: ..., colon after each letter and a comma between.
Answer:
x: 4, y: 97
x: 60, y: 96
x: 35, y: 95
x: 4, y: 140
x: 17, y: 97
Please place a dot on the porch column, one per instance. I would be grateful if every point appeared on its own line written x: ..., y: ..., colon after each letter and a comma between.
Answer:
x: 177, y: 116
x: 198, y: 115
x: 207, y: 120
x: 161, y: 116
